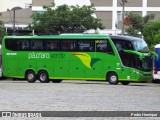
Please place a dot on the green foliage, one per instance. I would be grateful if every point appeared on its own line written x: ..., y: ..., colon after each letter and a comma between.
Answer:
x: 2, y: 34
x: 151, y: 33
x: 137, y: 23
x: 131, y: 31
x: 65, y: 19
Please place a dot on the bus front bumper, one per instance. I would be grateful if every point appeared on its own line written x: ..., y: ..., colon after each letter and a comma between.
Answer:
x: 145, y: 77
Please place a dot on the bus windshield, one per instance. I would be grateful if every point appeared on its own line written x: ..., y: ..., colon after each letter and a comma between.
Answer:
x: 140, y: 46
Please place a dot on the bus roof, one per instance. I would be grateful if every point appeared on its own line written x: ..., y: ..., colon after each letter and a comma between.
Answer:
x: 122, y: 37
x: 65, y: 36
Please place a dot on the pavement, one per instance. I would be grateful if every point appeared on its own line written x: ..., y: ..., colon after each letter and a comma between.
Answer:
x: 76, y: 95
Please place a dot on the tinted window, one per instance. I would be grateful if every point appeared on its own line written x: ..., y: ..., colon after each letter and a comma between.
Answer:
x: 68, y: 45
x: 57, y: 45
x: 103, y: 46
x: 12, y: 44
x: 120, y: 45
x: 86, y: 45
x: 126, y: 58
x: 23, y: 45
x: 37, y: 45
x: 51, y: 45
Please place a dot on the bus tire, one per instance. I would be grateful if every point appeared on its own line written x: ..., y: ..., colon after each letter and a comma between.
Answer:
x: 155, y: 81
x: 3, y: 78
x: 125, y: 82
x: 43, y: 77
x: 56, y: 81
x: 30, y: 76
x: 112, y: 78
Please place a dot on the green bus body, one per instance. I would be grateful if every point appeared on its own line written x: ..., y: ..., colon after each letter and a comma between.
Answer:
x: 69, y: 64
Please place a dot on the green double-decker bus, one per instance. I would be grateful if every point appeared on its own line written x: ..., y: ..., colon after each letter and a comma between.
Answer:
x: 76, y: 57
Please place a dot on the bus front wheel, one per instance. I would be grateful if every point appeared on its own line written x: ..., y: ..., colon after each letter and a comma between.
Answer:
x: 43, y: 77
x: 112, y: 78
x: 30, y: 76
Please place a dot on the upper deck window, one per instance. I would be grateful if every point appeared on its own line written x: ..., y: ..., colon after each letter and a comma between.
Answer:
x: 123, y: 45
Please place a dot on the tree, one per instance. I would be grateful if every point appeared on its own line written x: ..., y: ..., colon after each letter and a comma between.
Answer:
x: 2, y: 31
x: 65, y: 19
x: 2, y: 34
x: 137, y: 23
x: 151, y: 33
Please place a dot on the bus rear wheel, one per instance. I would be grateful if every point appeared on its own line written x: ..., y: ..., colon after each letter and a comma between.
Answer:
x: 112, y: 78
x: 30, y: 76
x: 125, y: 82
x: 43, y: 77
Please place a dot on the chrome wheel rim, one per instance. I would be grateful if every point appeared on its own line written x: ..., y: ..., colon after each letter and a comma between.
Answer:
x: 43, y: 77
x: 113, y: 79
x: 30, y: 76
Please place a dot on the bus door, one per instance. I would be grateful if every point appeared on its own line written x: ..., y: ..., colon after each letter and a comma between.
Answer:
x: 128, y: 59
x: 129, y: 63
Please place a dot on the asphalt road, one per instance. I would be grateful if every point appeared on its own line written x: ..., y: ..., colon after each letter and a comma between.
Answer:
x: 78, y: 96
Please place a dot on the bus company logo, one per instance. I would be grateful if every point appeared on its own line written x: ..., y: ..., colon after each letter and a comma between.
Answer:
x: 40, y: 55
x: 57, y: 56
x: 34, y: 55
x: 86, y: 59
x: 11, y: 54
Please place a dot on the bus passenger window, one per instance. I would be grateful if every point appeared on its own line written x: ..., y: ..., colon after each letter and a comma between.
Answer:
x: 128, y: 46
x: 104, y: 47
x: 123, y: 45
x: 68, y: 45
x: 19, y: 45
x: 86, y: 46
x: 24, y: 44
x: 54, y: 46
x: 119, y: 47
x: 37, y: 45
x: 33, y: 46
x: 65, y: 46
x: 11, y: 44
x: 51, y: 45
x: 48, y: 46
